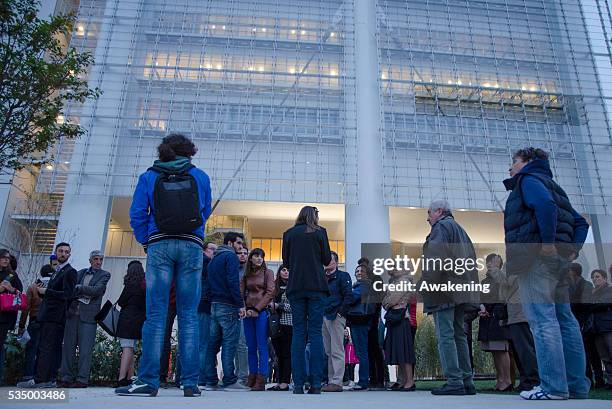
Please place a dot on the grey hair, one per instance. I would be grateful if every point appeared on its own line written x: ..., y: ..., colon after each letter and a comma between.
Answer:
x: 441, y: 204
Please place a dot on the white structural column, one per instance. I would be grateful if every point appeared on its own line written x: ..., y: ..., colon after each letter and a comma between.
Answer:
x: 368, y: 221
x: 87, y: 202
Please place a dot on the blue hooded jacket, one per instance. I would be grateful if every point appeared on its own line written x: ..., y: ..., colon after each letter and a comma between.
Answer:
x: 223, y: 277
x: 142, y: 219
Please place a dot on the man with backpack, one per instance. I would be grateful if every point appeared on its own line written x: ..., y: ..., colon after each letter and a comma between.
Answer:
x: 169, y: 210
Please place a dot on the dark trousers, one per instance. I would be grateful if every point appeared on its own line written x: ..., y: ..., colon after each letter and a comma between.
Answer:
x: 361, y: 342
x: 4, y: 330
x: 307, y: 310
x: 593, y: 366
x: 31, y: 348
x: 282, y: 348
x: 349, y: 372
x: 164, y: 364
x: 524, y: 355
x: 376, y: 358
x: 49, y: 351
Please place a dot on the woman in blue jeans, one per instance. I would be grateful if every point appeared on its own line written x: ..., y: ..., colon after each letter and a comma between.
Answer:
x: 359, y: 319
x: 257, y: 288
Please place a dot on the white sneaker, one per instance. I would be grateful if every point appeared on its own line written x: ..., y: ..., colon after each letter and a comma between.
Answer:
x: 29, y: 384
x: 538, y: 394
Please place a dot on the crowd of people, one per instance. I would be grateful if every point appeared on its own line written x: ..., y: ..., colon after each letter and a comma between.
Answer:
x: 540, y: 316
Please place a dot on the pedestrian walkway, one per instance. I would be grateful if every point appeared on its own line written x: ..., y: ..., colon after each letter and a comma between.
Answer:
x: 104, y: 398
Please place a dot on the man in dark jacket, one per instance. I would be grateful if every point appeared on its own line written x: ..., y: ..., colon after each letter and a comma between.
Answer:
x: 334, y: 321
x: 204, y: 310
x: 52, y: 316
x: 81, y: 324
x: 542, y: 232
x: 170, y: 206
x: 305, y: 252
x: 448, y: 241
x: 227, y: 308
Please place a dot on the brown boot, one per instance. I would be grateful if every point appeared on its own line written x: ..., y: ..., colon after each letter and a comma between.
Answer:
x: 260, y: 384
x: 251, y: 380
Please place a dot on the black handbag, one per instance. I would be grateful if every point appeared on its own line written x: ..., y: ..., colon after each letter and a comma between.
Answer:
x: 394, y: 317
x: 274, y: 325
x: 108, y: 318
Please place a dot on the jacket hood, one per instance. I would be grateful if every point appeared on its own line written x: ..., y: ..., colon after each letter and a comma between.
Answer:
x: 224, y: 249
x: 535, y: 167
x: 179, y: 165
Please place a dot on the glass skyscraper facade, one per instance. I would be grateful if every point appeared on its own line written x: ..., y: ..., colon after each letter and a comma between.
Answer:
x: 269, y: 90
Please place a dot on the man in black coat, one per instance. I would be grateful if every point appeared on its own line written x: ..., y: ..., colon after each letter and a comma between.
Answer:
x: 52, y: 316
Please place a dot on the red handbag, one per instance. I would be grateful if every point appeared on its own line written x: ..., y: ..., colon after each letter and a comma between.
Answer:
x: 13, y: 302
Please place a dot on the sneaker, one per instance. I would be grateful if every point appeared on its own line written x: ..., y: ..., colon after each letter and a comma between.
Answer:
x: 359, y: 388
x: 332, y: 387
x: 313, y: 390
x: 46, y: 385
x: 212, y: 388
x: 137, y: 388
x: 29, y: 384
x: 236, y: 387
x: 191, y: 392
x: 538, y: 394
x: 447, y: 389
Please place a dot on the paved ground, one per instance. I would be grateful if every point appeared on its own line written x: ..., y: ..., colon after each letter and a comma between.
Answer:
x: 104, y: 398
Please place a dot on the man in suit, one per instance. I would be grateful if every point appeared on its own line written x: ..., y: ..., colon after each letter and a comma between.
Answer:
x: 52, y: 317
x: 81, y: 325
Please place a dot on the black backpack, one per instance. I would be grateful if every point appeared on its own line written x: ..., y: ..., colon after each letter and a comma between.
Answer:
x: 176, y: 202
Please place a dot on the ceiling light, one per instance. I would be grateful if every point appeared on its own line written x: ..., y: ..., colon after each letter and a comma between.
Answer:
x: 49, y: 167
x: 332, y: 34
x: 261, y: 68
x: 303, y: 32
x: 333, y: 72
x: 292, y: 70
x: 223, y: 27
x: 218, y: 66
x: 292, y: 31
x: 213, y: 26
x: 80, y: 29
x: 264, y: 29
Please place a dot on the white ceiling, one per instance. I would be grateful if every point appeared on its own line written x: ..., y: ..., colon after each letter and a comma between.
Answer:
x: 271, y: 219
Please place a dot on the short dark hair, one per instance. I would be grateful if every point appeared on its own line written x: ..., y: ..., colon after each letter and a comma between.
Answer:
x: 491, y: 256
x: 334, y: 256
x: 530, y: 153
x: 62, y: 244
x: 599, y: 271
x: 231, y: 236
x: 576, y: 268
x: 364, y: 260
x: 174, y: 145
x: 46, y: 270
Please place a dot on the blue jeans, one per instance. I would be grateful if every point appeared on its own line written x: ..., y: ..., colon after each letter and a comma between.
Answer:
x: 224, y: 335
x: 556, y: 333
x: 179, y: 261
x: 360, y: 340
x: 453, y: 346
x: 256, y: 333
x: 307, y: 310
x: 241, y: 360
x: 204, y: 321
